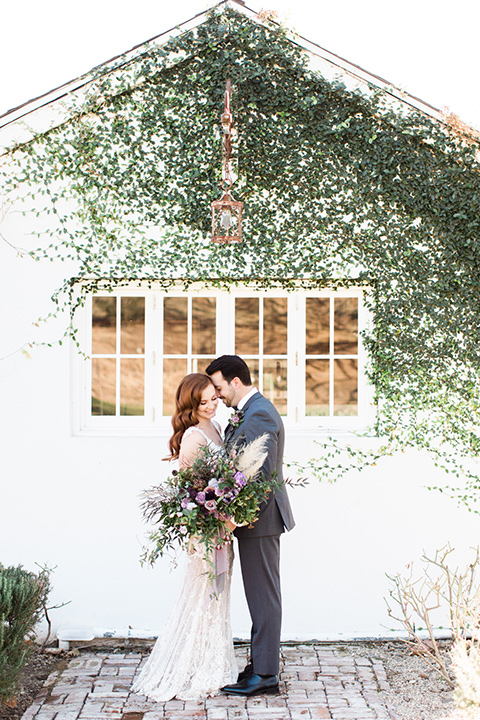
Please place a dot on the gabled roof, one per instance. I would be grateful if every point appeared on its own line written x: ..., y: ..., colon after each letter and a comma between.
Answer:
x: 21, y: 123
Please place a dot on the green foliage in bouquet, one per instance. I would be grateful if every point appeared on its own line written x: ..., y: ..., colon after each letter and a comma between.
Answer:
x: 23, y: 597
x: 197, y: 500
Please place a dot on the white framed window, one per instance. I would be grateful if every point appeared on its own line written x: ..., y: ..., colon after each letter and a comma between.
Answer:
x: 303, y: 349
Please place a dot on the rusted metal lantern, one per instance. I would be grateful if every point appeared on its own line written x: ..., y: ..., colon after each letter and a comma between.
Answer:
x: 227, y: 220
x: 227, y: 212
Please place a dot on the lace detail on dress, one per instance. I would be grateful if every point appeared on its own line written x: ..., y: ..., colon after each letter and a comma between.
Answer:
x: 193, y: 657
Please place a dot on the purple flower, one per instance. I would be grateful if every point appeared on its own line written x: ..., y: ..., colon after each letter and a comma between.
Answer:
x: 184, y: 503
x: 200, y: 498
x: 240, y: 479
x: 236, y: 419
x: 219, y: 492
x: 230, y: 495
x: 211, y: 505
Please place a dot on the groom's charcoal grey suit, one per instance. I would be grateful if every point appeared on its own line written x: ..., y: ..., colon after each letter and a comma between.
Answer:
x: 259, y: 545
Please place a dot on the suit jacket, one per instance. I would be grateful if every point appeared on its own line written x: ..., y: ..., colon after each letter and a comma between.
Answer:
x: 261, y: 417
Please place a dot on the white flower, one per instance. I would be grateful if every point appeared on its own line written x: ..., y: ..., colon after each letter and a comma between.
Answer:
x: 213, y: 483
x: 191, y: 506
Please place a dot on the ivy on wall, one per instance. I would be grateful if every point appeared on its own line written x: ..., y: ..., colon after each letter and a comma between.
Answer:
x: 338, y: 186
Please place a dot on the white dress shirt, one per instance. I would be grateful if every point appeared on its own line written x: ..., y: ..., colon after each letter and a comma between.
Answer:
x: 246, y: 398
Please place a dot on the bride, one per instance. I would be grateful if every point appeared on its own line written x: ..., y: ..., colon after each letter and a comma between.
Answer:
x: 193, y: 657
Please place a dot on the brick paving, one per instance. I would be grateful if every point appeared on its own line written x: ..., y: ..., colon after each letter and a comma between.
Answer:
x: 316, y: 682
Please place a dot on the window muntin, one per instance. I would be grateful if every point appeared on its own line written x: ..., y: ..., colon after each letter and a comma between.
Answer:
x: 302, y: 349
x: 118, y: 356
x: 261, y: 338
x: 331, y: 356
x: 189, y: 341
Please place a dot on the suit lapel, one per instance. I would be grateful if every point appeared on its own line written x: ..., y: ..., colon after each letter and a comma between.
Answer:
x: 230, y: 431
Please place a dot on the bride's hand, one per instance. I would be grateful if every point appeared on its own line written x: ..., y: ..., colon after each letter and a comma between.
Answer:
x: 230, y: 525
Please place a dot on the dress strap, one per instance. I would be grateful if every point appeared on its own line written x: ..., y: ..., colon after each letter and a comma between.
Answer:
x: 195, y: 428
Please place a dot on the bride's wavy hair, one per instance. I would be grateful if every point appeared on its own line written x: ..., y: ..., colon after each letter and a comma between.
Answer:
x: 187, y: 400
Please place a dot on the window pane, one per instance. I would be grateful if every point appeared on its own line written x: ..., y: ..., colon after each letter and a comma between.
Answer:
x: 175, y: 327
x: 103, y: 386
x: 204, y: 325
x: 317, y: 326
x: 104, y: 315
x: 246, y: 326
x: 275, y: 383
x: 254, y: 372
x: 346, y: 326
x: 317, y: 387
x: 275, y: 326
x: 132, y: 387
x: 173, y: 372
x: 132, y: 338
x: 200, y: 364
x: 345, y: 386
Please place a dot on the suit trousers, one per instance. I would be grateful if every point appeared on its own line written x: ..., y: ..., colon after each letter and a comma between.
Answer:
x: 260, y: 563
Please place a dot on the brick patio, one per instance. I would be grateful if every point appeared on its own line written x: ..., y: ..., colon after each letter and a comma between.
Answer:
x: 316, y: 681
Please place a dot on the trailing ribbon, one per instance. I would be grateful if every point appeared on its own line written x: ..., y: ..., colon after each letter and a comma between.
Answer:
x: 221, y: 565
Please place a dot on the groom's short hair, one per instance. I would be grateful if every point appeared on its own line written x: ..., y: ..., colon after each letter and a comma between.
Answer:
x: 231, y: 366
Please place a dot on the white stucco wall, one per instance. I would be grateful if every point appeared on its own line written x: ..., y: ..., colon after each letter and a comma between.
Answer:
x: 72, y: 502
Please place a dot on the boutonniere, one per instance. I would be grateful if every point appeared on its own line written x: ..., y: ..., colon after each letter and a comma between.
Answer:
x: 236, y: 419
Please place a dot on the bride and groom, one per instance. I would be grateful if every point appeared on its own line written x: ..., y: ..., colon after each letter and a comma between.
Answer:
x: 193, y: 658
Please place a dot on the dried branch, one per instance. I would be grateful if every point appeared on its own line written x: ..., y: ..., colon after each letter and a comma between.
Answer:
x: 457, y: 591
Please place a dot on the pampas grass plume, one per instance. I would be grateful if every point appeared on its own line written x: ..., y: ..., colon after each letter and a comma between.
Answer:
x: 250, y: 458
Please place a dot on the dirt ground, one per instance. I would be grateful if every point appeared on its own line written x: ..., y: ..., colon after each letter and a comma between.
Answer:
x: 34, y: 675
x: 417, y: 693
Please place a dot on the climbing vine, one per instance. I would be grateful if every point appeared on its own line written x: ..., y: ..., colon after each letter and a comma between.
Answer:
x: 339, y: 187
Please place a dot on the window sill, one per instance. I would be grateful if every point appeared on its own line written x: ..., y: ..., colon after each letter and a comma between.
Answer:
x: 299, y: 430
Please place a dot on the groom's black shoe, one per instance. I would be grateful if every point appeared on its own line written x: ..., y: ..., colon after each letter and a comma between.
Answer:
x: 247, y: 670
x: 253, y: 685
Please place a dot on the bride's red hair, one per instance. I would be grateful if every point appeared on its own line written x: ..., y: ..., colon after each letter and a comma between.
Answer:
x: 187, y: 400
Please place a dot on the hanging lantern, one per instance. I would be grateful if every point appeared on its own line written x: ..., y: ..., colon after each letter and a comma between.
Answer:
x: 227, y: 220
x: 227, y: 212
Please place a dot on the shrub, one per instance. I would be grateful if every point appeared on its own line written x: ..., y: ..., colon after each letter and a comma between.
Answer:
x: 23, y: 597
x: 456, y: 590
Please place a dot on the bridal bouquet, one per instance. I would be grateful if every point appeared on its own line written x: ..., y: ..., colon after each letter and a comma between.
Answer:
x: 197, y: 500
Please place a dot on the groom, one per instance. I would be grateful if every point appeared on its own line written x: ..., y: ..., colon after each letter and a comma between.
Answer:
x: 258, y: 544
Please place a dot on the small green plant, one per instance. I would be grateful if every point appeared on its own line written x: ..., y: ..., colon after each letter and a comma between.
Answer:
x: 23, y: 597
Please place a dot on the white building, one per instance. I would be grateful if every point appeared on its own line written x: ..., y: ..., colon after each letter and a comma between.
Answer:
x: 84, y: 434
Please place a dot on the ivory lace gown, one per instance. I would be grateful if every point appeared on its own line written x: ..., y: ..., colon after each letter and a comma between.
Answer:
x: 193, y: 657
